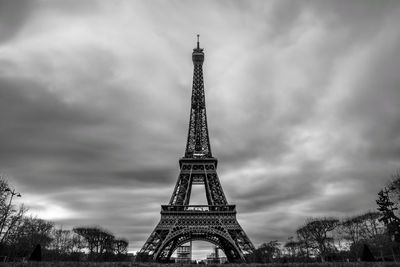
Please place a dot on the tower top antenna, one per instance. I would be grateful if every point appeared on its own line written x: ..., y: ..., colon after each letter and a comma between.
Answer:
x: 198, y: 41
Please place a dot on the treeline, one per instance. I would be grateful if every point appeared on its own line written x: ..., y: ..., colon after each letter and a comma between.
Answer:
x: 21, y: 235
x: 371, y: 236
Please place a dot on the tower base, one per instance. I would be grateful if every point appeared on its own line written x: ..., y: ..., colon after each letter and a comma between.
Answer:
x: 181, y: 224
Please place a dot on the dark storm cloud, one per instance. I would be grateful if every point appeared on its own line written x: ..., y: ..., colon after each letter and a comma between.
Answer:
x: 302, y: 102
x: 61, y: 136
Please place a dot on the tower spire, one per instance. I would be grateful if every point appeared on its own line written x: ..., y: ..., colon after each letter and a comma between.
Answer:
x: 198, y: 41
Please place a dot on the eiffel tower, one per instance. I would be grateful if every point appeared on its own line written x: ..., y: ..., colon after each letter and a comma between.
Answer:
x: 181, y: 222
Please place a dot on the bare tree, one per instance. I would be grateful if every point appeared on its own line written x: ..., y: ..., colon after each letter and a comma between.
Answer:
x: 305, y: 242
x: 29, y: 233
x: 78, y: 243
x: 89, y: 235
x: 371, y: 226
x: 10, y: 215
x: 269, y: 251
x: 294, y: 248
x: 350, y: 229
x: 121, y: 246
x: 361, y: 227
x: 316, y: 231
x: 265, y: 253
x: 62, y: 242
x: 99, y: 241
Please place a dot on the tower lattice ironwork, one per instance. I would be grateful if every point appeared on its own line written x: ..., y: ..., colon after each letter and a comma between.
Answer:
x: 181, y: 222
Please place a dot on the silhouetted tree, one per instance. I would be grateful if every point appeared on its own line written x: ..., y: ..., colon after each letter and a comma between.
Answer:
x: 10, y: 215
x: 100, y: 242
x: 363, y: 229
x: 305, y: 242
x: 266, y: 252
x: 388, y: 203
x: 28, y: 234
x: 121, y: 249
x: 62, y: 241
x: 121, y: 246
x: 316, y: 231
x: 387, y: 207
x: 78, y: 243
x: 65, y: 246
x: 294, y: 248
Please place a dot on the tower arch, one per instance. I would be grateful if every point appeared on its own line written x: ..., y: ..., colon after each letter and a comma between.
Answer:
x: 214, y: 236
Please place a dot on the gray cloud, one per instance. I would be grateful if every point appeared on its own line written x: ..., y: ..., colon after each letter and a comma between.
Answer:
x: 301, y: 100
x: 13, y: 15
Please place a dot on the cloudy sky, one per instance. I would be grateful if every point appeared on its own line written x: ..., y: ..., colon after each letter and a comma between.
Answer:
x: 302, y: 101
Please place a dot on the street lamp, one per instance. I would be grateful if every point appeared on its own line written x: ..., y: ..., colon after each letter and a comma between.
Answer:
x: 13, y: 193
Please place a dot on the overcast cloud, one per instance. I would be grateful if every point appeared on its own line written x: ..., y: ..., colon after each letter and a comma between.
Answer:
x: 302, y: 100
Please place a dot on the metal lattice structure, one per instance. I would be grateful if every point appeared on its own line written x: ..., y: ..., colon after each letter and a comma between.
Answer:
x: 181, y: 222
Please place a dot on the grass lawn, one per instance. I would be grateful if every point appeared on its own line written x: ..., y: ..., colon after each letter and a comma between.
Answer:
x: 130, y: 264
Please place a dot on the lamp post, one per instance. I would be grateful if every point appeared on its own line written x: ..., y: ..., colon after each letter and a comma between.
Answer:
x: 4, y: 219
